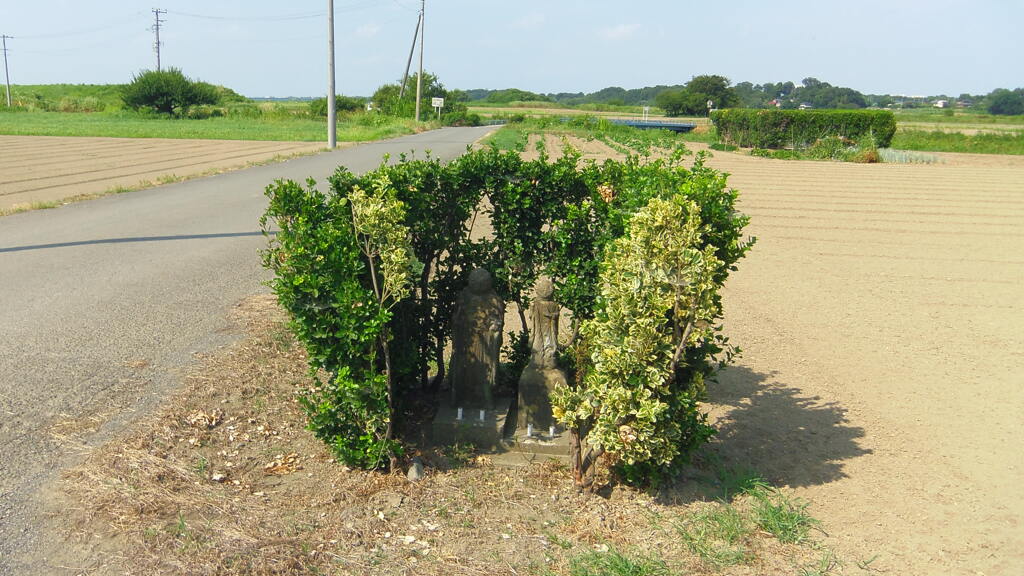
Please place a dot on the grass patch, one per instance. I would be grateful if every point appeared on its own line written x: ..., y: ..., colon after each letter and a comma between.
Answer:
x: 508, y: 137
x: 781, y: 516
x: 124, y: 124
x: 822, y: 567
x: 717, y: 536
x: 935, y: 141
x: 948, y: 116
x: 614, y: 563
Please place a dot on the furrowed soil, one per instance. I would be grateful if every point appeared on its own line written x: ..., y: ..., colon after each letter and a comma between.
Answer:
x: 881, y: 325
x: 41, y: 169
x: 882, y: 377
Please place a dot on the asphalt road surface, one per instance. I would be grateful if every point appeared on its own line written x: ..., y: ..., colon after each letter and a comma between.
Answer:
x: 103, y: 304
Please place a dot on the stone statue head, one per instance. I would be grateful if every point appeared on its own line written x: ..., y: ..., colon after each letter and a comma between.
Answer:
x: 480, y: 281
x: 545, y: 288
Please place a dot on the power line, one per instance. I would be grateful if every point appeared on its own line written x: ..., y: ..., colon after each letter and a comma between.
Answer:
x: 79, y: 31
x: 300, y: 16
x: 156, y: 28
x: 7, y: 74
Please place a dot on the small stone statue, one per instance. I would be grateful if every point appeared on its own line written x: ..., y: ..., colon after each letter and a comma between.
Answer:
x: 476, y: 342
x: 542, y: 375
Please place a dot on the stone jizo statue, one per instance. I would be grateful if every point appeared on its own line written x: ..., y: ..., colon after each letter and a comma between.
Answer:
x: 476, y: 342
x: 542, y: 375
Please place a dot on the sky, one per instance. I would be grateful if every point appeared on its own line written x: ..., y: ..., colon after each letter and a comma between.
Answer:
x: 261, y: 48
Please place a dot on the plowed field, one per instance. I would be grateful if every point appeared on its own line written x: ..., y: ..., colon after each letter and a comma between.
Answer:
x: 881, y: 316
x: 882, y: 324
x: 46, y: 168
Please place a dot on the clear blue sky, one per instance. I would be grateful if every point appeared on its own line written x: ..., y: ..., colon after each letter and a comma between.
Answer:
x: 263, y: 48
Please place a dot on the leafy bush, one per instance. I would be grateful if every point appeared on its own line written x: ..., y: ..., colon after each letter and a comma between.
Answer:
x: 801, y: 128
x: 318, y: 106
x: 341, y: 265
x: 462, y: 119
x: 204, y: 112
x: 596, y: 229
x: 167, y: 92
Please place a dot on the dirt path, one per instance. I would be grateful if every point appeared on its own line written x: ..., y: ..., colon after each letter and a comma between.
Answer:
x: 35, y: 169
x: 881, y: 321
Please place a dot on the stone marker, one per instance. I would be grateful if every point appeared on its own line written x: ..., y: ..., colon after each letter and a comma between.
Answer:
x: 415, y: 472
x: 476, y: 343
x: 540, y: 377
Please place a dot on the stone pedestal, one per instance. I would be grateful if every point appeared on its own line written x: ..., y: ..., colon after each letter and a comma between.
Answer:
x: 534, y: 403
x: 447, y: 429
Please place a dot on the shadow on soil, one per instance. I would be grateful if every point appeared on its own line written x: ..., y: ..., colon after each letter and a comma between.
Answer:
x: 771, y: 431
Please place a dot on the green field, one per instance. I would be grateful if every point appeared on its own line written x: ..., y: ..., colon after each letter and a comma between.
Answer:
x: 955, y: 116
x: 936, y: 141
x: 97, y: 110
x: 131, y: 125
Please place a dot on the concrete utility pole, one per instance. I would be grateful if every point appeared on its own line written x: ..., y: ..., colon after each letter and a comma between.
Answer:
x: 408, y: 64
x: 156, y: 28
x: 419, y: 78
x: 7, y: 74
x: 332, y: 113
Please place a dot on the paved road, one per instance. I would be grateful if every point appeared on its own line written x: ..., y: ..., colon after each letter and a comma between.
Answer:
x: 104, y: 303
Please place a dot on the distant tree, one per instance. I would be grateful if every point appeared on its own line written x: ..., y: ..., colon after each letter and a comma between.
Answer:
x: 515, y: 95
x: 751, y: 96
x: 387, y: 100
x: 673, y: 102
x: 1006, y: 102
x: 693, y: 98
x: 167, y: 92
x: 318, y: 107
x: 714, y: 88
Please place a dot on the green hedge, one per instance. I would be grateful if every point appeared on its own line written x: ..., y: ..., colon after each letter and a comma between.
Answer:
x: 752, y: 128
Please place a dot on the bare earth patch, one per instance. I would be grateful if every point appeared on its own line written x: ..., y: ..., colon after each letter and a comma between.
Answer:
x: 40, y: 169
x: 881, y: 322
x: 225, y: 480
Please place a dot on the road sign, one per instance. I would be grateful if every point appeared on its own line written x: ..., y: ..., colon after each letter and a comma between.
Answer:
x: 437, y: 102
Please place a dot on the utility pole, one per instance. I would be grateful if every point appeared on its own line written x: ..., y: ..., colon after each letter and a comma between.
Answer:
x: 7, y: 74
x: 332, y: 113
x: 419, y: 78
x: 408, y: 64
x: 156, y: 28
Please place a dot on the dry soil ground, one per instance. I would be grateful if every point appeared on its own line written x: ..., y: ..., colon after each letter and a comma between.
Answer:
x: 35, y: 169
x: 881, y: 319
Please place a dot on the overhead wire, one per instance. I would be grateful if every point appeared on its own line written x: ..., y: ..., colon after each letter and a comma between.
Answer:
x: 79, y: 31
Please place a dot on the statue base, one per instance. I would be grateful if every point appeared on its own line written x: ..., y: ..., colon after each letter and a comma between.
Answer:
x: 448, y: 428
x: 536, y: 386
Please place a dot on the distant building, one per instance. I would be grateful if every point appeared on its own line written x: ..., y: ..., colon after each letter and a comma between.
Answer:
x: 806, y: 106
x: 941, y: 103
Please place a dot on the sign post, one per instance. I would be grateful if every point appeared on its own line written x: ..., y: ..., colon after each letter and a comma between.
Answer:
x: 437, y: 103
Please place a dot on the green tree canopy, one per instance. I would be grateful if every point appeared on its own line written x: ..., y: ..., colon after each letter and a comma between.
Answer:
x: 167, y: 92
x: 693, y: 98
x: 387, y: 100
x: 1006, y: 102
